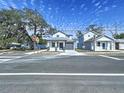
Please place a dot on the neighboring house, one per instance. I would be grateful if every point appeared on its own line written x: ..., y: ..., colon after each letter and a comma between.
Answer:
x: 80, y: 42
x: 88, y: 35
x: 119, y: 44
x: 60, y: 42
x: 96, y: 42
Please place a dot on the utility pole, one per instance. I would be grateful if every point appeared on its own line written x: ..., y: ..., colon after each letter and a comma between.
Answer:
x: 94, y: 43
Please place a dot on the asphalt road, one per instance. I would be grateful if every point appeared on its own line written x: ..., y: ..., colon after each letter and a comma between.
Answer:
x: 61, y: 84
x: 19, y: 62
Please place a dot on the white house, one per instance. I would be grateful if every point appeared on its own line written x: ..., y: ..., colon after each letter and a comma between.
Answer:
x: 96, y: 42
x: 60, y: 42
x: 88, y: 35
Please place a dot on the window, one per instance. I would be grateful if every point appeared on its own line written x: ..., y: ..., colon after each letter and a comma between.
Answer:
x: 98, y: 43
x: 57, y: 35
x: 53, y: 44
x: 88, y: 35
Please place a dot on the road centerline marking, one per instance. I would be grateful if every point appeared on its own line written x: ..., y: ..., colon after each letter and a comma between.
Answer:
x: 61, y: 74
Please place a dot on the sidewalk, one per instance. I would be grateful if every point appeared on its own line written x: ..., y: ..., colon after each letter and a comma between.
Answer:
x: 71, y: 53
x: 111, y: 53
x: 97, y: 53
x: 4, y: 51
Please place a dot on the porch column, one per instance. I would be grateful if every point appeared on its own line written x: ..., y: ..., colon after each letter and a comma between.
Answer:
x: 64, y: 45
x: 108, y: 46
x: 113, y: 45
x: 49, y: 45
x: 94, y: 45
x: 56, y: 46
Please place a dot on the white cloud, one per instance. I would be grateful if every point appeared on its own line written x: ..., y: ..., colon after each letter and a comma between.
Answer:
x: 41, y: 2
x: 73, y: 9
x: 2, y: 2
x: 51, y: 16
x: 32, y: 2
x: 41, y: 9
x: 114, y: 6
x: 100, y: 6
x: 50, y: 8
x: 105, y: 2
x: 106, y: 8
x: 82, y: 6
x: 57, y: 10
x: 93, y: 1
x: 80, y: 13
x: 97, y: 4
x: 12, y: 4
x: 25, y: 3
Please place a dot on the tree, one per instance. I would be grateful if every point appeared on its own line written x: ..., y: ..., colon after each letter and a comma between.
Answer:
x: 52, y: 30
x: 8, y: 25
x: 12, y: 28
x: 35, y: 21
x: 119, y: 36
x: 96, y: 29
x: 114, y: 30
x: 80, y: 39
x: 13, y: 23
x: 79, y: 34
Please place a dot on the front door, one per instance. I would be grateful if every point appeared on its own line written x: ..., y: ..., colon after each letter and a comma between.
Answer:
x: 61, y: 46
x: 103, y: 46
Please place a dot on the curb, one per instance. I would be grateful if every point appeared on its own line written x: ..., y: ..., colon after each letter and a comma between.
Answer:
x: 35, y: 52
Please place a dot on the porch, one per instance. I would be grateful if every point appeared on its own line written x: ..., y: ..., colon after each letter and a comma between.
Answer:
x: 60, y: 45
x: 103, y: 46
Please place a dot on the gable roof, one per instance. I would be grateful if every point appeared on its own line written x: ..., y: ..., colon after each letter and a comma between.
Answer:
x: 68, y: 35
x: 61, y: 32
x: 91, y: 32
x: 98, y: 37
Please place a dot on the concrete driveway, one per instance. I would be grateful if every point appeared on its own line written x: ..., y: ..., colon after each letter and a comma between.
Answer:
x: 71, y: 53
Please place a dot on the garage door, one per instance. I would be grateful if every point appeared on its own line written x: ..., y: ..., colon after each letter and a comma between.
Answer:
x: 121, y: 46
x: 69, y: 46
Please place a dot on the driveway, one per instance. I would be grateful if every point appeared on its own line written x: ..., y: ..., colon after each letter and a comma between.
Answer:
x: 71, y: 53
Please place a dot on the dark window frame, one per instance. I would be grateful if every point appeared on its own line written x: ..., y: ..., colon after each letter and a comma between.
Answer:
x: 98, y: 44
x: 53, y: 44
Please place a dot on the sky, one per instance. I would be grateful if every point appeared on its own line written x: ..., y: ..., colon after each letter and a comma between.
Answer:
x: 73, y: 14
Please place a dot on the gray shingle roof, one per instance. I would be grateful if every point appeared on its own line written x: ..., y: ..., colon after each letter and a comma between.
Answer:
x: 60, y: 39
